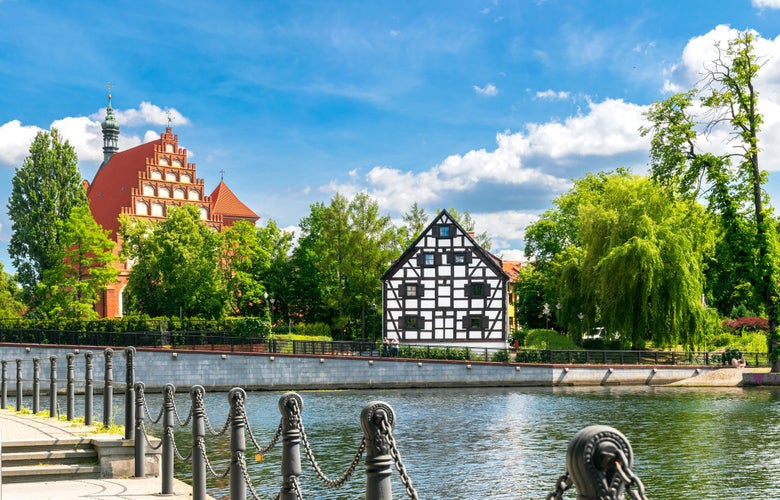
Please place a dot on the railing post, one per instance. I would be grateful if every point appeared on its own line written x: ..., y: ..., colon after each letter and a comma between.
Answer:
x: 129, y: 393
x: 71, y: 385
x: 108, y: 387
x: 237, y: 397
x: 167, y: 440
x: 19, y: 390
x: 290, y: 406
x: 379, y: 463
x: 140, y: 441
x: 197, y: 394
x: 590, y: 461
x: 36, y: 396
x: 53, y: 387
x: 4, y: 388
x: 88, y: 388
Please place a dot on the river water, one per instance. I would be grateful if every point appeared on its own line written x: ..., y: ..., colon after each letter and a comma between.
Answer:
x: 689, y: 443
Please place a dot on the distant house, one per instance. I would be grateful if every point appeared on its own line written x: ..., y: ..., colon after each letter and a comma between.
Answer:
x: 446, y: 289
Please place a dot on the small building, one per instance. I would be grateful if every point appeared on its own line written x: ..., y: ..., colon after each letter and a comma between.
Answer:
x: 446, y: 290
x: 143, y: 182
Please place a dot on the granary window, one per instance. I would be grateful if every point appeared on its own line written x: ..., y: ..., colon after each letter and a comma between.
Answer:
x: 444, y: 231
x: 411, y: 290
x: 475, y: 322
x: 429, y: 259
x: 459, y: 258
x: 411, y: 322
x: 478, y: 289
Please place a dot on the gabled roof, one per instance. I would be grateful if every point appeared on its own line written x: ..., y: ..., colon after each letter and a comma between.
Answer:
x: 114, y: 181
x: 226, y: 203
x: 491, y: 259
x: 512, y: 268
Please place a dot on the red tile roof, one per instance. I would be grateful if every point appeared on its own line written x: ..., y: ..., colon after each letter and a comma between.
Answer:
x: 512, y: 268
x: 226, y: 203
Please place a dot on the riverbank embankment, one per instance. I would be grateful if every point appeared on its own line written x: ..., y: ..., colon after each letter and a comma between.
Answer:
x: 254, y: 371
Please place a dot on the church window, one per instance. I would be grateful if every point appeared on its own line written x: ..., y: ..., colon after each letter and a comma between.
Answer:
x: 177, y: 163
x: 157, y: 209
x: 186, y: 178
x: 178, y: 193
x: 141, y: 208
x: 193, y: 194
x: 164, y: 192
x: 163, y: 161
x: 148, y: 190
x: 156, y: 175
x: 169, y: 148
x: 204, y: 213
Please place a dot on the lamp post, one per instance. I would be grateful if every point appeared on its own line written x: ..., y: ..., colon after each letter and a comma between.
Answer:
x: 581, y: 316
x: 546, y: 312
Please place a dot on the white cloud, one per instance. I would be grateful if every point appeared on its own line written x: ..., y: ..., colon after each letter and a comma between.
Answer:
x: 15, y: 140
x: 146, y: 114
x: 551, y: 95
x: 488, y: 90
x: 767, y: 4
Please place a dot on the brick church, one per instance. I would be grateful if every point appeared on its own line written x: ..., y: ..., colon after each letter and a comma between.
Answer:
x: 143, y: 182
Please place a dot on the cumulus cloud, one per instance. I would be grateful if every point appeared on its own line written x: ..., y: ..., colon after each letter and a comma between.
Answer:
x: 15, y: 140
x: 488, y: 90
x: 767, y: 4
x: 146, y: 114
x: 551, y: 95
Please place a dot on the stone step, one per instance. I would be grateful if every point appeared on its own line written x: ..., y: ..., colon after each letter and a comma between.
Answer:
x: 31, y: 457
x: 55, y: 472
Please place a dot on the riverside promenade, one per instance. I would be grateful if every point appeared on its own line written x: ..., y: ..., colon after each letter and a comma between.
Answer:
x: 26, y: 428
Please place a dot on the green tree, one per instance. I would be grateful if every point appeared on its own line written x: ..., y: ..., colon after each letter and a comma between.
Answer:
x: 277, y: 278
x: 244, y: 263
x: 730, y: 99
x: 83, y: 267
x: 177, y: 265
x: 310, y: 278
x: 10, y: 305
x: 415, y: 221
x: 44, y: 190
x: 467, y: 222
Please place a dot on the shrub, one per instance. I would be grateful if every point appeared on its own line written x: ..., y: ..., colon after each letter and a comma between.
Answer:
x: 750, y: 323
x: 501, y: 356
x: 313, y: 330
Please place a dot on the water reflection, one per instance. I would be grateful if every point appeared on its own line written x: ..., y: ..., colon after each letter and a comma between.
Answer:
x: 689, y: 443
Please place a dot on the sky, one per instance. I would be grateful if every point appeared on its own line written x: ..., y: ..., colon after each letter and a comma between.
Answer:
x: 490, y: 106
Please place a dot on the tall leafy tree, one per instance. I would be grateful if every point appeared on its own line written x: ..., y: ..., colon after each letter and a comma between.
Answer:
x: 467, y: 222
x: 244, y: 262
x: 177, y: 265
x: 415, y: 221
x: 311, y: 279
x: 10, y: 305
x: 730, y: 97
x: 82, y: 270
x: 277, y: 278
x: 45, y: 189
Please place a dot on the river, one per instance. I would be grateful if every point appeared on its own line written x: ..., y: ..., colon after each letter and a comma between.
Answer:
x: 689, y: 443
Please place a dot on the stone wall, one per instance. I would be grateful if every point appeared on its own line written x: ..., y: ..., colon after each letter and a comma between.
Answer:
x: 222, y: 371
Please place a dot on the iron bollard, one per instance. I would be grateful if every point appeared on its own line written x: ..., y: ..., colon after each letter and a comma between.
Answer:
x: 290, y: 406
x: 198, y: 434
x: 19, y: 385
x: 4, y: 388
x: 140, y: 442
x: 129, y: 393
x: 88, y: 388
x: 591, y: 462
x: 71, y: 385
x: 237, y: 397
x: 167, y: 440
x: 108, y: 387
x: 379, y: 463
x: 53, y: 387
x: 36, y: 396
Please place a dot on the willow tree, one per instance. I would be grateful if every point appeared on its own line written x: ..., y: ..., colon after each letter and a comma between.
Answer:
x: 643, y: 253
x: 729, y: 100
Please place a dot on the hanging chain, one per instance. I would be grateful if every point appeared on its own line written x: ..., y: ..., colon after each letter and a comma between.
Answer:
x: 241, y: 459
x: 211, y: 429
x: 396, y: 456
x: 142, y: 428
x: 296, y: 487
x: 184, y: 423
x: 629, y: 478
x: 169, y: 431
x: 146, y: 407
x: 561, y: 486
x: 258, y: 448
x: 330, y: 483
x: 202, y: 446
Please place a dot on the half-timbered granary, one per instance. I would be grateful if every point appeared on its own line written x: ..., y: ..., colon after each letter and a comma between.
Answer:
x: 446, y: 289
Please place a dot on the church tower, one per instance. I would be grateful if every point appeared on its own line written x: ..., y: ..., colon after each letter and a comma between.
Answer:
x: 110, y: 132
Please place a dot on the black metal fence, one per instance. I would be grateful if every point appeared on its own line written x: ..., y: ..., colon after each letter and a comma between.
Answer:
x: 225, y: 341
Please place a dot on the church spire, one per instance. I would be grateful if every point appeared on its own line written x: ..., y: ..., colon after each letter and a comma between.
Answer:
x: 110, y: 131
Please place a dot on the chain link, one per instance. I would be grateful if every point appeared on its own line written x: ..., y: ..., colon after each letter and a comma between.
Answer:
x: 330, y: 483
x: 142, y: 428
x: 296, y: 487
x: 561, y: 486
x: 202, y: 447
x: 176, y: 448
x: 629, y: 478
x: 275, y: 439
x: 211, y: 429
x: 184, y: 423
x: 241, y: 459
x: 384, y: 427
x: 142, y: 397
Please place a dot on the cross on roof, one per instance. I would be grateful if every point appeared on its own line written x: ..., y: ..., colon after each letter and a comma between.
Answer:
x: 170, y: 118
x: 222, y: 175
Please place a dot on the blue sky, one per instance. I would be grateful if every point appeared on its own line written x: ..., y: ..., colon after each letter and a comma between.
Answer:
x: 488, y: 106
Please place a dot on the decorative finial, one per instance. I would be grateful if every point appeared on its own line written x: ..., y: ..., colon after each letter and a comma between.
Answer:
x: 222, y: 175
x: 170, y: 118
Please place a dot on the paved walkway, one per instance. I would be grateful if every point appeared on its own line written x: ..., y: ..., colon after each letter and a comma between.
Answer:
x: 14, y: 427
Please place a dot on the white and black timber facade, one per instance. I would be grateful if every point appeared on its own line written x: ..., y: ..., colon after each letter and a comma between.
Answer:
x: 446, y: 289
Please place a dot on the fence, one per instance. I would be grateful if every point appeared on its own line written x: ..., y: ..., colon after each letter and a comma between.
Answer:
x: 598, y: 459
x: 86, y: 384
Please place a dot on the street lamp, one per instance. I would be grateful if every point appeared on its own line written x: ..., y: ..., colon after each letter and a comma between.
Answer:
x: 546, y: 312
x: 581, y: 316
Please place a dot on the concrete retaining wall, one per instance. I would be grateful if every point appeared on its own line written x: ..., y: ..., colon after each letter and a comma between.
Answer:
x: 222, y: 371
